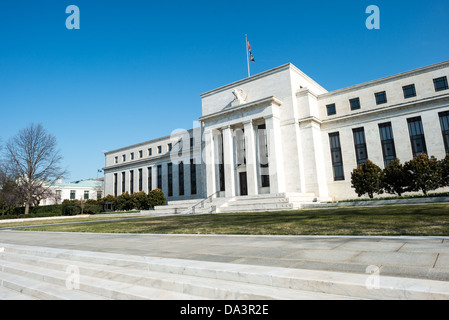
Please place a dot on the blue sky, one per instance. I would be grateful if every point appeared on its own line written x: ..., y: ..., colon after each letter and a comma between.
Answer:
x: 134, y: 71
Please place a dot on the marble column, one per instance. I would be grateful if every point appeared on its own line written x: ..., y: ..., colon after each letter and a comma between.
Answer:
x: 228, y: 153
x: 210, y: 162
x: 251, y: 163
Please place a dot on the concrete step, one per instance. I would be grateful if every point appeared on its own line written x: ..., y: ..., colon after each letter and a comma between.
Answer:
x: 8, y: 294
x: 42, y: 274
x: 257, y: 207
x: 119, y: 276
x: 174, y: 286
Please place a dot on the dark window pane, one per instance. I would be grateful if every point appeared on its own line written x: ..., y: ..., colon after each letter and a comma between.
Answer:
x: 360, y: 145
x: 337, y: 161
x: 331, y: 109
x: 409, y: 91
x: 355, y: 104
x: 440, y: 84
x: 381, y: 97
x: 444, y: 121
x: 416, y: 136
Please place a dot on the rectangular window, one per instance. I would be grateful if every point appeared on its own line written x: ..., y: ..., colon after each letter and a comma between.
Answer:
x: 86, y: 195
x: 124, y: 157
x: 131, y: 182
x: 355, y: 104
x: 115, y: 184
x: 444, y: 121
x: 72, y: 194
x: 181, y: 178
x: 99, y: 195
x: 360, y: 145
x: 170, y: 179
x: 132, y: 155
x: 417, y: 139
x: 140, y: 180
x: 440, y: 84
x: 140, y: 154
x: 159, y: 149
x: 409, y: 91
x: 123, y: 182
x: 192, y: 176
x: 170, y: 146
x: 381, y: 97
x: 159, y: 177
x: 263, y: 155
x: 387, y: 141
x: 337, y: 160
x: 191, y: 142
x: 58, y: 194
x: 150, y: 151
x: 331, y: 109
x: 150, y: 179
x: 116, y: 159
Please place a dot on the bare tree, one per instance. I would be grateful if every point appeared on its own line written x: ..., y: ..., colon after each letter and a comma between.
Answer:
x: 33, y: 158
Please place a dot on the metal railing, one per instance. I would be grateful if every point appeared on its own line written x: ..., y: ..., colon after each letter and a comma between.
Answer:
x: 201, y: 203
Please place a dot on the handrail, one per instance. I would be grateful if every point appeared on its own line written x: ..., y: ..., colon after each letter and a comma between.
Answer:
x: 192, y: 208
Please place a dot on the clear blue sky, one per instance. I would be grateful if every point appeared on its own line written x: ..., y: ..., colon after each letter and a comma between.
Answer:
x: 135, y: 69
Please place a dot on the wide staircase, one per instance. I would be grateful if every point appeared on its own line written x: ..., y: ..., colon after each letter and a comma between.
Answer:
x: 254, y: 203
x: 29, y: 272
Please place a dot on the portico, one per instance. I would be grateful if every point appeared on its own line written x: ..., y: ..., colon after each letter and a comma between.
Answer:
x: 243, y: 148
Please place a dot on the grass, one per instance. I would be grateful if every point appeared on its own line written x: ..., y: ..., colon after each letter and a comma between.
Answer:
x: 412, y: 220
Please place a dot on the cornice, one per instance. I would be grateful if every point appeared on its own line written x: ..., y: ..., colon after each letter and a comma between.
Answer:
x: 265, y: 101
x: 395, y: 77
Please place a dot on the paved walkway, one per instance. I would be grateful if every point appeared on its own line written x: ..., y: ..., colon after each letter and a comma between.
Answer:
x: 418, y: 257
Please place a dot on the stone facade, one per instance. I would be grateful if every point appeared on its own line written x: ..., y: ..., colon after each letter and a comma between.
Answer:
x: 281, y: 132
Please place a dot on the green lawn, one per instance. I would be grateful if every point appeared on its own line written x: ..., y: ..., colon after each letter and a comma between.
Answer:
x: 416, y: 220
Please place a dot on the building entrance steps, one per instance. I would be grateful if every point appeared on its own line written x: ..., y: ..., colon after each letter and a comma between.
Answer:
x: 249, y: 203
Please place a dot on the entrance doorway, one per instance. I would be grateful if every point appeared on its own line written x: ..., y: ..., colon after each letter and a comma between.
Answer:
x: 243, y: 184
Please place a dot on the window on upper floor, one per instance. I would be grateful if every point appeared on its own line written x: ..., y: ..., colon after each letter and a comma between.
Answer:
x: 354, y: 103
x: 132, y: 155
x: 360, y: 146
x: 387, y: 141
x: 440, y: 84
x: 159, y: 149
x: 337, y: 160
x: 170, y: 146
x: 381, y: 97
x: 409, y: 91
x: 444, y: 121
x: 124, y: 157
x: 116, y: 160
x: 331, y: 109
x: 150, y: 151
x: 140, y: 154
x: 417, y: 139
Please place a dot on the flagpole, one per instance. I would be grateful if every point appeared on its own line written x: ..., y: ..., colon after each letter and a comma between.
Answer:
x: 247, y: 55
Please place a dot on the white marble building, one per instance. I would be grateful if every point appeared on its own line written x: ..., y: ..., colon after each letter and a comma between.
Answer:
x: 280, y: 132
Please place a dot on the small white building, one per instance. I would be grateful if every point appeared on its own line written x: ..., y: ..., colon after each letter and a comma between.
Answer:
x: 280, y: 132
x: 78, y: 190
